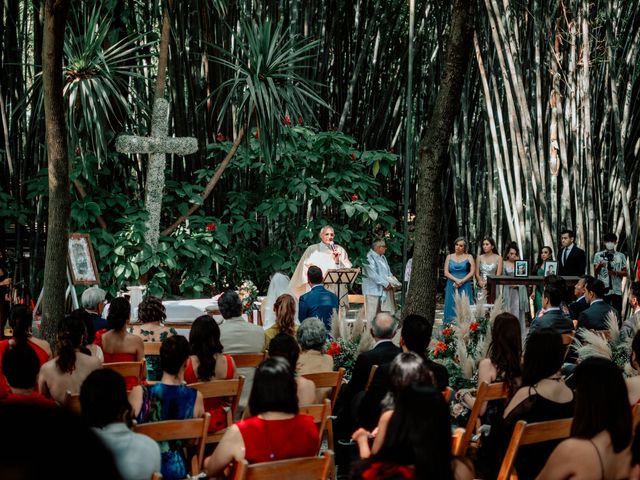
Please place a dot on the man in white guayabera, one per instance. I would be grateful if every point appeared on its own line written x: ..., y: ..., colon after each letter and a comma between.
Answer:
x: 378, y: 282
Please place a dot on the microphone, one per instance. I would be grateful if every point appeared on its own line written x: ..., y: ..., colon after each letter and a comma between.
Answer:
x: 332, y: 246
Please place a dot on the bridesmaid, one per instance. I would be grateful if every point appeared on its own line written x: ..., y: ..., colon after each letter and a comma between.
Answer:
x: 516, y: 300
x: 489, y: 262
x: 546, y: 254
x: 458, y: 268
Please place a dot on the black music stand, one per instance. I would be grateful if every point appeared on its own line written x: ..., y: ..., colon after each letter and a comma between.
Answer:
x: 339, y: 277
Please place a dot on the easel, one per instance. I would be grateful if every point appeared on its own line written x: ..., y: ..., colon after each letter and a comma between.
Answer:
x: 339, y: 277
x: 70, y: 291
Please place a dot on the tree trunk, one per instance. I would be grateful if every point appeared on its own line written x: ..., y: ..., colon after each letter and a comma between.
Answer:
x: 55, y: 270
x: 432, y: 160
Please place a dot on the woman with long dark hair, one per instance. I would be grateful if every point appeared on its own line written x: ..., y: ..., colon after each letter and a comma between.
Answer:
x: 66, y: 372
x: 546, y: 254
x: 206, y: 363
x: 489, y: 262
x: 599, y: 446
x: 417, y: 444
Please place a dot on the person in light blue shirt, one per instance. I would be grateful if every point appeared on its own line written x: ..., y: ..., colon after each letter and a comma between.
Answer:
x: 377, y: 285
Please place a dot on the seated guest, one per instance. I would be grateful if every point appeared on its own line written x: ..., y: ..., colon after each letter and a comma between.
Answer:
x: 239, y: 336
x: 553, y: 318
x: 92, y: 300
x: 312, y: 337
x: 632, y: 324
x: 170, y: 399
x: 150, y: 327
x: 117, y: 344
x: 20, y: 366
x: 74, y: 452
x: 318, y: 302
x: 633, y: 383
x: 501, y: 365
x: 89, y: 340
x: 383, y: 328
x: 406, y: 369
x: 543, y: 396
x: 66, y: 372
x: 414, y: 337
x: 601, y: 428
x: 285, y: 310
x: 595, y: 317
x: 580, y: 304
x: 103, y: 397
x: 285, y: 346
x: 276, y: 431
x: 206, y: 363
x: 20, y: 321
x: 417, y: 443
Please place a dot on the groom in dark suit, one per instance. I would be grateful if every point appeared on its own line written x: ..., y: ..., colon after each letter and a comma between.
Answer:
x: 572, y: 260
x: 554, y: 318
x: 595, y: 317
x: 318, y: 302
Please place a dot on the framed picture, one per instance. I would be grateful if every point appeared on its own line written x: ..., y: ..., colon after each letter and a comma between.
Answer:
x: 550, y: 268
x: 521, y: 268
x: 82, y: 263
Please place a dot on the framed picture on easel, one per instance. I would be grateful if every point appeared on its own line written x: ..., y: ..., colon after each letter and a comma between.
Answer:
x: 82, y: 263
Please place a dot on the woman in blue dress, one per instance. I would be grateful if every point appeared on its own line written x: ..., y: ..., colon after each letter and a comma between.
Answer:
x: 458, y: 268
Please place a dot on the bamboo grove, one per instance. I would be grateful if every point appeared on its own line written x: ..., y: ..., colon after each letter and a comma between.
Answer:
x: 547, y: 136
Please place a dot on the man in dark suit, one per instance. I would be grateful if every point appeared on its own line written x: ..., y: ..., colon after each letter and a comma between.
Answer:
x: 581, y: 304
x: 553, y: 319
x: 572, y: 260
x: 414, y: 337
x: 595, y: 317
x: 319, y: 302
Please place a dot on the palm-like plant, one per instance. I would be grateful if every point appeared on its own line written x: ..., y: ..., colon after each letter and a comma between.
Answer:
x: 97, y: 76
x: 267, y: 86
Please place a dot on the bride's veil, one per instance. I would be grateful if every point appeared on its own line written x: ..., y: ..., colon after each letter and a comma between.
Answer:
x: 278, y: 285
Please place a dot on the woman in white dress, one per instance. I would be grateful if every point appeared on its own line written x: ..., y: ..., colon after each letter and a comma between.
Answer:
x: 489, y: 262
x: 278, y: 285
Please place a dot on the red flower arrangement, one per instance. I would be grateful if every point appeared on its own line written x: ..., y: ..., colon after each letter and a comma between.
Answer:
x: 211, y: 227
x: 441, y: 347
x: 334, y: 349
x: 474, y: 326
x: 286, y: 120
x: 354, y: 197
x: 447, y: 332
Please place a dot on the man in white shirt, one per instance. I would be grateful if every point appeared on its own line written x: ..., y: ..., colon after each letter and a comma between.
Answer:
x: 611, y: 267
x: 376, y: 285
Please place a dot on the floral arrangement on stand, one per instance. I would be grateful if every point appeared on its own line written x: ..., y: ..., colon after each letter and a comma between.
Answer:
x: 614, y: 346
x: 248, y: 293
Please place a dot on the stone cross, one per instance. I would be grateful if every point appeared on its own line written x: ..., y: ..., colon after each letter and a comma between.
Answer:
x: 157, y: 145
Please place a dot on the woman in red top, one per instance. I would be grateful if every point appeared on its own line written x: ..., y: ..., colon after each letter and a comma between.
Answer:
x: 277, y: 432
x: 20, y: 367
x: 117, y: 344
x: 20, y: 321
x: 206, y: 363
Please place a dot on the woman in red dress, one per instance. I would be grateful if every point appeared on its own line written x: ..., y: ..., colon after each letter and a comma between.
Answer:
x: 277, y: 432
x: 206, y: 363
x: 20, y: 366
x: 117, y: 344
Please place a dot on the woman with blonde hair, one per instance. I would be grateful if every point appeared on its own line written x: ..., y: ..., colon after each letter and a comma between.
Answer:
x: 285, y: 309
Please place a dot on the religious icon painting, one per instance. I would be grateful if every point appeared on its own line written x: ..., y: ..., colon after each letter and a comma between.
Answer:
x: 521, y: 268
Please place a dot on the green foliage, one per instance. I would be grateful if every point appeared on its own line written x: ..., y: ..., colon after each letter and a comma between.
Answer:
x: 11, y: 211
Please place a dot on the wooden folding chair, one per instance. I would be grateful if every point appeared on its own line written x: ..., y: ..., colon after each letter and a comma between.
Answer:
x: 72, y: 402
x: 332, y: 380
x: 321, y: 413
x: 305, y: 468
x: 529, y: 433
x: 152, y: 348
x: 486, y: 392
x: 156, y: 476
x: 456, y: 436
x: 191, y: 429
x: 128, y: 369
x: 447, y: 393
x: 372, y: 374
x: 248, y: 360
x: 231, y: 389
x: 604, y: 334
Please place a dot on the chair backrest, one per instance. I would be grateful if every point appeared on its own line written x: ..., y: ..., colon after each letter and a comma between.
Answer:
x: 248, y: 360
x: 604, y: 334
x: 156, y: 476
x: 486, y: 392
x: 222, y: 388
x: 72, y: 402
x: 305, y: 468
x: 529, y: 433
x: 357, y: 299
x: 567, y: 340
x: 320, y: 413
x: 127, y: 369
x: 152, y: 348
x: 331, y: 380
x: 372, y: 374
x: 191, y: 429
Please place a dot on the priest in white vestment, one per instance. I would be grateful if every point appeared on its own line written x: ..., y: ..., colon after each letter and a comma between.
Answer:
x: 326, y: 255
